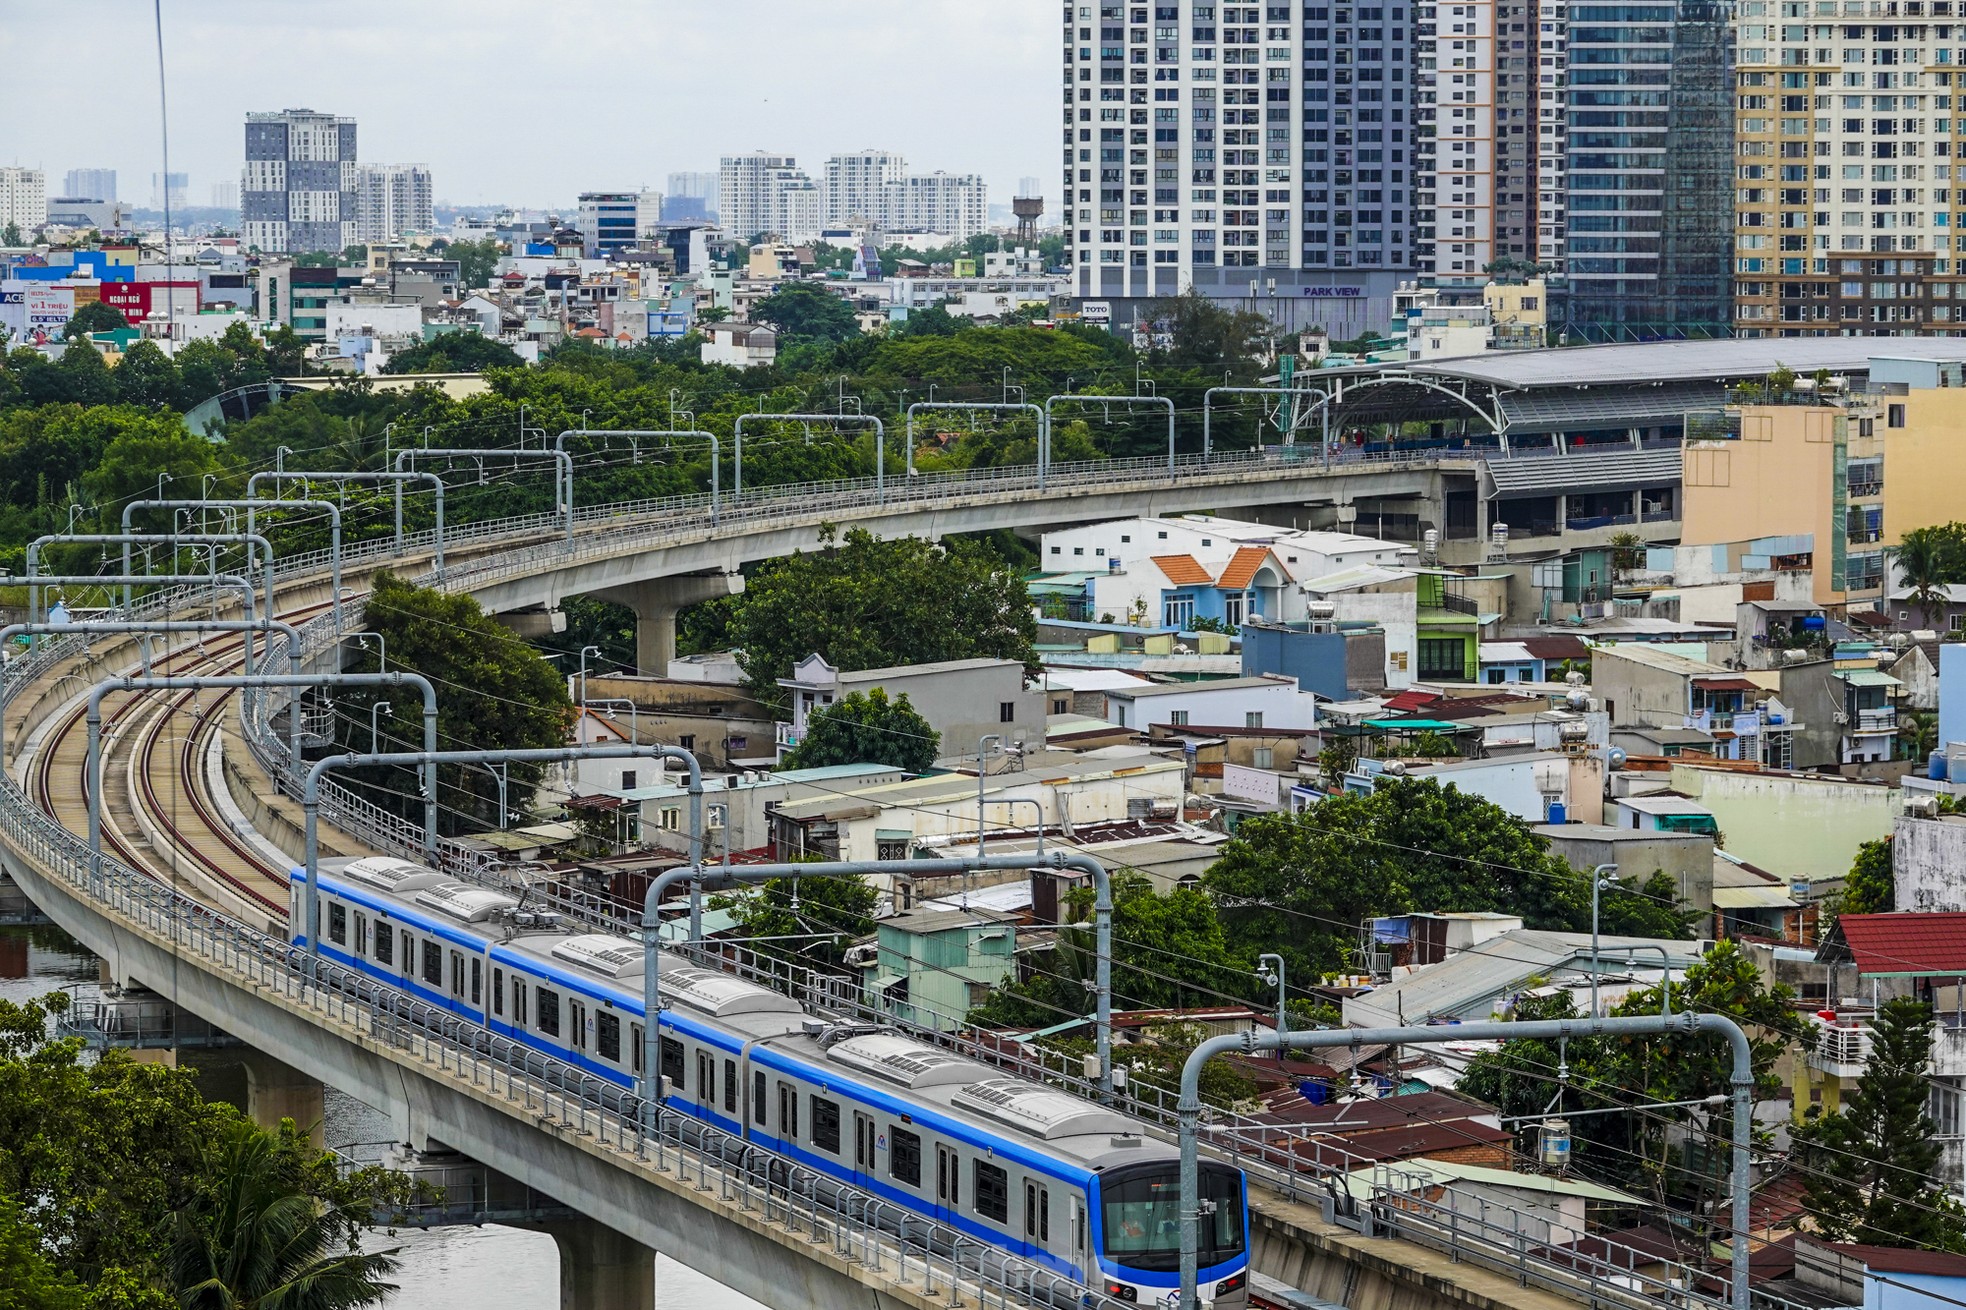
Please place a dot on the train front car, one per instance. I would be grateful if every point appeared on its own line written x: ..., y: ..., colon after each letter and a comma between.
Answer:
x: 1138, y: 1234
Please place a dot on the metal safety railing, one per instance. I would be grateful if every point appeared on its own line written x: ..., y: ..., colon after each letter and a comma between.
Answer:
x: 675, y: 518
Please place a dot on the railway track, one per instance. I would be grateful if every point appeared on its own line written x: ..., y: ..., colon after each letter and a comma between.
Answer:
x: 153, y: 763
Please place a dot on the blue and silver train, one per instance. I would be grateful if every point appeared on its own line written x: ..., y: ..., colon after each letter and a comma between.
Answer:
x: 1019, y: 1167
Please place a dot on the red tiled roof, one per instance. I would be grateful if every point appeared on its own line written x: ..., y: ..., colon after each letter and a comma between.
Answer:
x: 1182, y: 570
x: 1412, y: 700
x: 1907, y: 944
x: 1242, y: 569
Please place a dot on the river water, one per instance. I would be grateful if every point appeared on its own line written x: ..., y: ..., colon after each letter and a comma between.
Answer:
x: 442, y: 1268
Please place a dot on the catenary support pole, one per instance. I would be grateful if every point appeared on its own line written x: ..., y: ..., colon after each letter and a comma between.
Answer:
x: 731, y: 877
x: 836, y: 420
x: 239, y: 682
x: 1189, y: 1106
x: 562, y: 485
x: 1044, y: 423
x: 392, y: 479
x: 250, y: 540
x: 334, y: 529
x: 1079, y: 397
x: 633, y: 434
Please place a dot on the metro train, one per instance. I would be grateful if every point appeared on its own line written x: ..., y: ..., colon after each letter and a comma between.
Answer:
x: 1018, y: 1167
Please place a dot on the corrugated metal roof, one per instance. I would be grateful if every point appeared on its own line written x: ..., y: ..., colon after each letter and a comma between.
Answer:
x: 1584, y: 367
x: 1869, y: 678
x: 1610, y: 470
x: 1752, y: 898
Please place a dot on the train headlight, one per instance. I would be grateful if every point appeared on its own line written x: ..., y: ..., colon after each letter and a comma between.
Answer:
x: 1121, y: 1291
x: 1233, y: 1284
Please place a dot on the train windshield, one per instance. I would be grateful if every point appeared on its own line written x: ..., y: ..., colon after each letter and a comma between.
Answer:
x: 1142, y: 1217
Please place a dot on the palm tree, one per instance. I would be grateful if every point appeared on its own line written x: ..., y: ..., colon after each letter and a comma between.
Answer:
x: 1918, y: 731
x: 1927, y: 560
x: 257, y: 1240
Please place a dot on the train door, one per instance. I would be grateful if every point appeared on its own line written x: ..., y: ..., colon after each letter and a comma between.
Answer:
x: 577, y: 1025
x: 863, y: 1151
x: 457, y: 976
x: 948, y: 1183
x: 1079, y: 1256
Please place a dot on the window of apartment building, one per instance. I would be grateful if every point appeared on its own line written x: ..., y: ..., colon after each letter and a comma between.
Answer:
x: 1253, y: 719
x: 1263, y: 757
x: 1894, y: 416
x: 1440, y: 657
x: 1007, y: 711
x: 1178, y: 718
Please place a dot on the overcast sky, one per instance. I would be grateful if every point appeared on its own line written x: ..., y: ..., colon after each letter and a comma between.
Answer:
x: 533, y: 101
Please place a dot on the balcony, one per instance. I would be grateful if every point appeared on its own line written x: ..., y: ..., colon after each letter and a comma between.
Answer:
x: 1871, y: 723
x: 787, y: 737
x: 1842, y: 1047
x: 1949, y: 1049
x: 1865, y: 490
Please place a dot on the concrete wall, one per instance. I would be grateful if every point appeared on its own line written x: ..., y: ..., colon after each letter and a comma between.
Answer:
x: 1686, y: 858
x: 1923, y: 475
x: 1397, y: 615
x: 1280, y: 704
x: 1928, y: 863
x: 1776, y: 479
x: 1952, y: 693
x: 1792, y: 824
x: 1637, y: 694
x: 964, y: 705
x: 1318, y: 660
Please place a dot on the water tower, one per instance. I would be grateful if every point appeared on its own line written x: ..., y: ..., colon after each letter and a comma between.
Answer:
x: 1027, y: 209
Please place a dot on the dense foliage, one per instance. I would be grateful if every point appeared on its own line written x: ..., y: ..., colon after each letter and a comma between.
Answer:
x: 867, y: 728
x: 865, y: 603
x: 493, y: 692
x: 1304, y: 884
x: 113, y: 1173
x: 807, y: 921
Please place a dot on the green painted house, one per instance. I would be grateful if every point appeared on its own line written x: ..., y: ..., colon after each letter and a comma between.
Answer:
x: 932, y: 966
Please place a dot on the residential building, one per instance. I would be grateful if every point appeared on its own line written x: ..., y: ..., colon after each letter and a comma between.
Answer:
x: 1478, y: 199
x: 1855, y: 239
x: 1685, y: 856
x: 1246, y: 154
x: 298, y: 188
x: 737, y: 807
x: 93, y: 183
x: 740, y: 345
x: 1336, y: 663
x: 1552, y: 130
x: 1806, y: 478
x: 1649, y: 169
x: 956, y: 204
x: 82, y: 212
x: 224, y: 195
x: 23, y: 198
x: 392, y: 200
x: 1755, y: 811
x: 180, y: 188
x: 1262, y: 702
x: 1432, y: 633
x: 856, y: 186
x: 1533, y: 787
x: 963, y: 700
x: 1644, y: 686
x: 933, y: 966
x: 763, y: 194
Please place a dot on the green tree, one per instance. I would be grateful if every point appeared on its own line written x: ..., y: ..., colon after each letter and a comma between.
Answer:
x: 253, y: 1240
x: 476, y: 261
x: 11, y: 235
x: 807, y: 921
x: 1206, y: 336
x: 494, y: 692
x: 147, y: 377
x: 1303, y: 884
x: 83, y: 377
x: 807, y: 311
x: 94, y: 317
x: 454, y: 352
x: 865, y: 603
x: 1928, y: 560
x: 146, y: 444
x: 867, y: 728
x: 1869, y: 889
x: 1871, y: 1166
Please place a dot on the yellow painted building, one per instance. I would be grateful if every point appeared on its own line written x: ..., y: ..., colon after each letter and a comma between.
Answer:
x: 1796, y: 470
x: 1925, y: 445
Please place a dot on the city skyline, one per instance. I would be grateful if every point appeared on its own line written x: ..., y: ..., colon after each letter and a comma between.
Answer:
x: 829, y: 92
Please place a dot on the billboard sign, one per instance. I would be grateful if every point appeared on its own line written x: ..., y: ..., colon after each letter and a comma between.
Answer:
x: 135, y: 300
x: 45, y: 311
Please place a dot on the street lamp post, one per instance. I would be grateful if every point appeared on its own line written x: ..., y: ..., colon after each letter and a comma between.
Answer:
x: 583, y: 672
x: 1269, y: 967
x: 1602, y: 877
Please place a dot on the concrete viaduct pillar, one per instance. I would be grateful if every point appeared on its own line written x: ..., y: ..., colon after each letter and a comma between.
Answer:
x: 599, y: 1268
x: 276, y: 1091
x: 656, y: 604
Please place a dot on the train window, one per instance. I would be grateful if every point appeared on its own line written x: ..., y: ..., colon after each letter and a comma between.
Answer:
x: 758, y: 1098
x: 337, y: 923
x: 635, y: 1039
x: 577, y: 1024
x: 788, y: 1111
x: 433, y: 963
x: 992, y: 1192
x: 607, y: 1036
x: 409, y: 951
x: 549, y: 1012
x: 948, y: 1176
x: 385, y: 944
x: 477, y: 979
x: 706, y: 1077
x: 730, y: 1087
x: 826, y: 1124
x: 1078, y: 1225
x: 361, y: 933
x: 498, y: 991
x: 904, y: 1156
x: 1044, y: 1214
x: 671, y: 1063
x: 1037, y: 1212
x: 518, y: 1001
